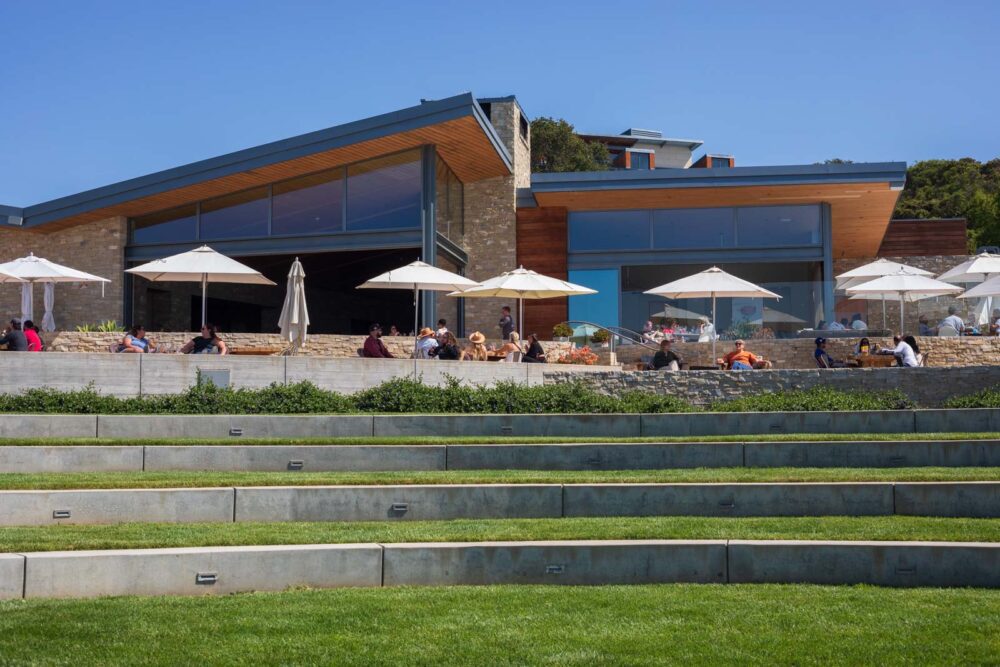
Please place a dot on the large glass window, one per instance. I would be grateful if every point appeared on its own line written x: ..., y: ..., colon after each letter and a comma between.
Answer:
x: 312, y: 204
x: 638, y: 160
x: 449, y: 202
x: 178, y: 225
x: 239, y: 215
x: 608, y: 230
x: 766, y: 226
x: 384, y: 193
x: 693, y: 228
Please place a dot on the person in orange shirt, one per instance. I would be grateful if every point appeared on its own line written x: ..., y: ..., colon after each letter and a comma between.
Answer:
x: 742, y: 359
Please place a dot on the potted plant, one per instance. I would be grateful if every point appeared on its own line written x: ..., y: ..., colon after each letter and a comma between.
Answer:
x: 601, y: 336
x: 561, y: 332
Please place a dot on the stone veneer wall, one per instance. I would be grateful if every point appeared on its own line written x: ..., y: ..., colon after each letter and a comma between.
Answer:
x: 96, y: 247
x: 490, y: 221
x: 798, y: 352
x: 928, y: 387
x: 320, y: 345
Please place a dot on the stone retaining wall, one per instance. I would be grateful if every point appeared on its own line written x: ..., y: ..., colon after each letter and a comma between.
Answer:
x: 798, y: 352
x: 928, y: 387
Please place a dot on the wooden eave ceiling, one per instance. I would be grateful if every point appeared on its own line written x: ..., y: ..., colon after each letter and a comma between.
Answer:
x: 461, y: 142
x: 860, y: 211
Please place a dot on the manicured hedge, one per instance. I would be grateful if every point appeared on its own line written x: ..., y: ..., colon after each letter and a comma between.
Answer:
x: 394, y: 396
x: 987, y: 398
x: 817, y: 399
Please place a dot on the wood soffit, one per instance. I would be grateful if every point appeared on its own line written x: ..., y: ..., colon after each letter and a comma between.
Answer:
x: 860, y: 211
x: 461, y: 143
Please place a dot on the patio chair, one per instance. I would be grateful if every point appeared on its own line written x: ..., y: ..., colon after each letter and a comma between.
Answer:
x: 947, y: 330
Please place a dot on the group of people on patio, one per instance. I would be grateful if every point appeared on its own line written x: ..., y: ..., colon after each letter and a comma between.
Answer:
x: 442, y: 344
x: 905, y: 350
x: 18, y: 337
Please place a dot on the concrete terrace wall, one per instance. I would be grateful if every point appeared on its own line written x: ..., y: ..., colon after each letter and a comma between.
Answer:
x: 798, y: 352
x: 928, y: 387
x: 135, y: 375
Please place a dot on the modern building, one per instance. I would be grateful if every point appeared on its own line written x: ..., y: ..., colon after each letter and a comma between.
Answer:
x: 449, y: 181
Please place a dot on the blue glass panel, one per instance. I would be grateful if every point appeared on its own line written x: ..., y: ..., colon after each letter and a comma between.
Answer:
x: 178, y: 225
x: 308, y: 205
x: 608, y: 230
x: 639, y: 160
x: 385, y: 193
x: 764, y: 226
x: 693, y: 228
x: 600, y: 308
x: 235, y: 216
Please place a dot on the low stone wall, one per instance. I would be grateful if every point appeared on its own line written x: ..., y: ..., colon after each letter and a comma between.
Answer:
x: 798, y: 352
x: 928, y: 387
x: 318, y: 345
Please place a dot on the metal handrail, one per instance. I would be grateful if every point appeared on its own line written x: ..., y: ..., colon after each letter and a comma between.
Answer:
x: 617, y: 333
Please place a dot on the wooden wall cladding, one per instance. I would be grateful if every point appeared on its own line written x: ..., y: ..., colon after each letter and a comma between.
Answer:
x: 910, y: 238
x: 541, y: 247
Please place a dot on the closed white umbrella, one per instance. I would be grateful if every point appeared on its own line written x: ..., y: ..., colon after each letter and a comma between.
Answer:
x: 201, y: 265
x: 34, y: 269
x: 521, y: 284
x: 419, y: 276
x: 876, y: 269
x: 49, y: 320
x: 905, y: 286
x: 294, y: 319
x: 711, y: 283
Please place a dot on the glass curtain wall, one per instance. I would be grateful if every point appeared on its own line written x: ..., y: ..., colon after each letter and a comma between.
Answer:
x: 450, y: 202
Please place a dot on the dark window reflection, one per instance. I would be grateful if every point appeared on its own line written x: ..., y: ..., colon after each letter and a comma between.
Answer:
x: 384, y: 193
x: 693, y: 228
x: 309, y: 205
x: 609, y: 230
x: 177, y: 225
x: 763, y: 226
x: 239, y: 215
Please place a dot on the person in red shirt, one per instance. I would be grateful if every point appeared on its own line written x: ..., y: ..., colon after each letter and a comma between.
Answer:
x: 31, y: 334
x: 374, y: 348
x: 741, y: 359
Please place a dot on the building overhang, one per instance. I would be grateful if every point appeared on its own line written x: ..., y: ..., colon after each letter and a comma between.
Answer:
x: 462, y: 134
x: 861, y: 196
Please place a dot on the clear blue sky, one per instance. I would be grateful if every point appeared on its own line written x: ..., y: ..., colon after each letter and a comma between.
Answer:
x: 96, y: 92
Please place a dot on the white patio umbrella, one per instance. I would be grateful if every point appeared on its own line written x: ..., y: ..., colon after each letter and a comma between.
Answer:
x: 294, y: 319
x: 675, y: 313
x: 521, y: 284
x: 905, y: 286
x: 980, y: 268
x: 711, y: 283
x: 31, y: 270
x: 990, y: 287
x: 419, y: 276
x: 201, y: 265
x: 876, y: 269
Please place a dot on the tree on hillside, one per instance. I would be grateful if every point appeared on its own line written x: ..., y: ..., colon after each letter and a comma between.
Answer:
x: 836, y: 160
x: 556, y: 147
x: 962, y: 188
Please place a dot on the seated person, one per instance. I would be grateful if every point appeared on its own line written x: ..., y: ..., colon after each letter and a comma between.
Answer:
x: 374, y: 347
x: 706, y: 330
x: 442, y: 329
x: 393, y: 331
x: 823, y: 358
x: 821, y: 326
x: 447, y: 349
x: 925, y: 328
x: 477, y: 347
x: 535, y: 354
x: 135, y: 341
x: 207, y: 343
x: 953, y: 320
x: 903, y: 352
x: 31, y: 335
x: 14, y: 338
x: 857, y: 323
x: 426, y: 344
x: 666, y: 358
x: 863, y: 347
x: 510, y: 348
x: 741, y: 359
x: 837, y: 326
x: 994, y: 322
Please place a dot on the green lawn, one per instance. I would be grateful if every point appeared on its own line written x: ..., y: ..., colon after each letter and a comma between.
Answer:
x: 152, y: 535
x: 184, y: 479
x: 502, y: 625
x: 501, y: 440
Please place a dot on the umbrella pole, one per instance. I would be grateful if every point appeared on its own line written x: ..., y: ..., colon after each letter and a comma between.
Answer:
x: 204, y: 298
x: 901, y: 314
x: 714, y: 332
x: 416, y: 333
x: 883, y: 312
x: 520, y: 316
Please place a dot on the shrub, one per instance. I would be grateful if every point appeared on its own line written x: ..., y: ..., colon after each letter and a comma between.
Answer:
x: 817, y: 399
x: 601, y: 336
x: 987, y: 398
x: 582, y: 356
x: 562, y: 330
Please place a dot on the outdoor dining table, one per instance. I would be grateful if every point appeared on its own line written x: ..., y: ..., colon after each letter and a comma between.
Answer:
x: 875, y: 360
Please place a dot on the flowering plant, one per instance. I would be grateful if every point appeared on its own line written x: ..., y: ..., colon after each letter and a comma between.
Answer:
x: 581, y: 356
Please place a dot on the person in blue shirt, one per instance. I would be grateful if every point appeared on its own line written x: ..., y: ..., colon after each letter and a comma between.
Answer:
x: 135, y: 341
x: 823, y: 358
